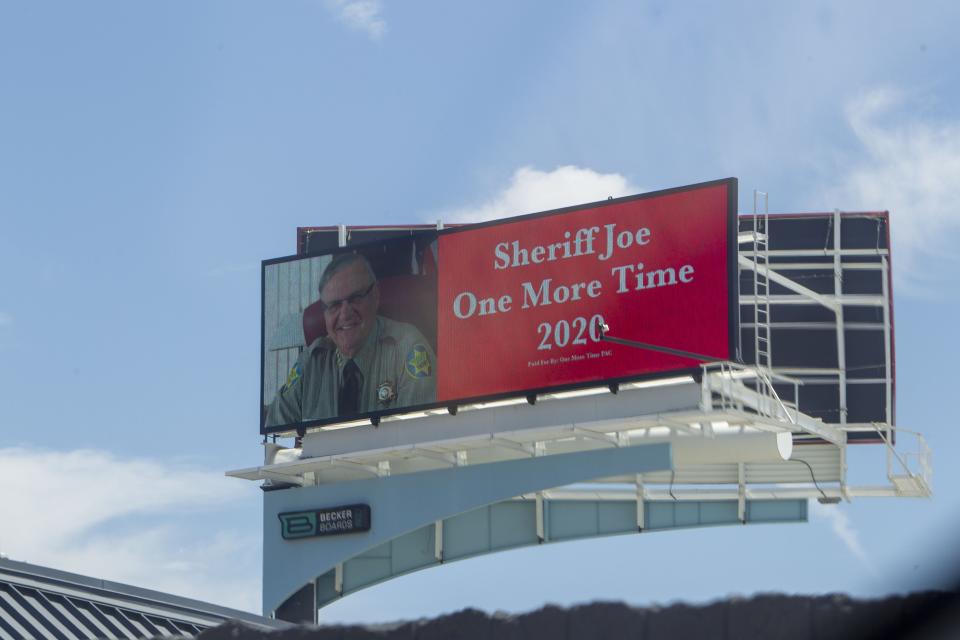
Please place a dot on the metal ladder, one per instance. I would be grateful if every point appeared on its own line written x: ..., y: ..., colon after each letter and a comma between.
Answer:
x: 761, y: 284
x: 761, y: 298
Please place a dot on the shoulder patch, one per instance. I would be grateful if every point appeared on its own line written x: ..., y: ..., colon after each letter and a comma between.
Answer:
x: 418, y: 363
x: 293, y: 377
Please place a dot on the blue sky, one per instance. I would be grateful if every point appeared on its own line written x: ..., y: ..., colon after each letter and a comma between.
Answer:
x: 152, y: 154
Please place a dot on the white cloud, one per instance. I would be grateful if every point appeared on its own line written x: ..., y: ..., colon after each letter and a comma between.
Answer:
x: 841, y: 527
x: 911, y: 168
x: 132, y: 521
x: 361, y: 15
x: 531, y: 191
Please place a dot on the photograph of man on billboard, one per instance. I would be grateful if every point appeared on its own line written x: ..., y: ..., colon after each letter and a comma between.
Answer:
x: 501, y: 309
x: 356, y: 360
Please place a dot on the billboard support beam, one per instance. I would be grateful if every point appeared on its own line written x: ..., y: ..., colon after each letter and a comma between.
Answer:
x: 838, y: 311
x: 788, y: 283
x: 438, y: 540
x: 510, y: 525
x: 510, y: 444
x: 403, y: 503
x: 742, y: 493
x: 538, y: 506
x: 887, y: 340
x: 602, y: 329
x: 338, y: 578
x: 641, y: 499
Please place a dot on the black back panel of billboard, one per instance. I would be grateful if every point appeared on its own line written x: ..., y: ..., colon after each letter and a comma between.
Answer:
x: 804, y: 336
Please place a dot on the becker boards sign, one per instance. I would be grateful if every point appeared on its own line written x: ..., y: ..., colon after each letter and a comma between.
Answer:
x: 501, y: 309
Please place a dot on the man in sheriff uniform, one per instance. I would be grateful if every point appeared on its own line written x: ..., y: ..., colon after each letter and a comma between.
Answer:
x: 365, y: 362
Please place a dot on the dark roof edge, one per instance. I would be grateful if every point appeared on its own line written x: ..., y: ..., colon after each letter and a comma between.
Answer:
x: 136, y: 595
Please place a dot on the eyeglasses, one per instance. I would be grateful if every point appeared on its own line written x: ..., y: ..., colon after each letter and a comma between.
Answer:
x: 354, y: 298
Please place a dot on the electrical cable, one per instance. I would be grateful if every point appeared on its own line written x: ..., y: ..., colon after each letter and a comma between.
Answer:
x: 812, y: 477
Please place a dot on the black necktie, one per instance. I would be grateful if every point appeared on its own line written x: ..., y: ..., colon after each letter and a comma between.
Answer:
x: 349, y: 401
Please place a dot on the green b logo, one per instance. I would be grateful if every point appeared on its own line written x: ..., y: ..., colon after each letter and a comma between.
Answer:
x: 298, y: 525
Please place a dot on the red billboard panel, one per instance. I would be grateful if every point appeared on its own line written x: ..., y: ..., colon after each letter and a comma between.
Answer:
x: 519, y: 301
x: 506, y: 308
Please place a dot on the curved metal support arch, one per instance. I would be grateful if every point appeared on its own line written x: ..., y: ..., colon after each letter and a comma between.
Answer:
x: 405, y: 503
x: 520, y: 523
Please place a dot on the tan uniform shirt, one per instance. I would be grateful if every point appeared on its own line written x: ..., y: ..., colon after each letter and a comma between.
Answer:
x: 396, y: 362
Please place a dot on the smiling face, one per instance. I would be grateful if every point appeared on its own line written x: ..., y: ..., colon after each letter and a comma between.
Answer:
x: 350, y: 298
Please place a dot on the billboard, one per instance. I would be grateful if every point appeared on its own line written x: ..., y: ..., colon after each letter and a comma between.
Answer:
x: 500, y: 309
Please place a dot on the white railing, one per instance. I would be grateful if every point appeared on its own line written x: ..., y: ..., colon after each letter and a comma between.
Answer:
x: 723, y: 388
x: 914, y: 464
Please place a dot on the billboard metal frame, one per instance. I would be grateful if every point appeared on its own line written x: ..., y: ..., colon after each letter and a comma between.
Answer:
x: 503, y: 474
x: 374, y: 417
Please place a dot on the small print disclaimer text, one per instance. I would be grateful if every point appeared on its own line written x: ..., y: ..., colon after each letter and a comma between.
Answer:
x: 577, y: 357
